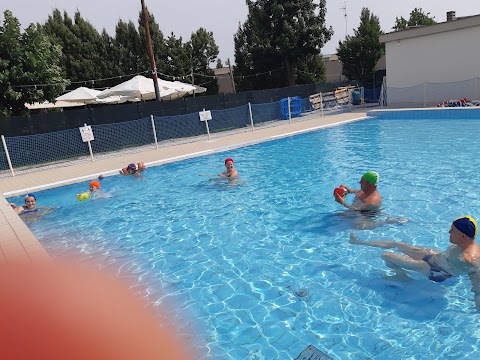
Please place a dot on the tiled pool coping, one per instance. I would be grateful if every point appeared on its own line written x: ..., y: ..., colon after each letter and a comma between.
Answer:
x: 427, y: 113
x: 17, y: 243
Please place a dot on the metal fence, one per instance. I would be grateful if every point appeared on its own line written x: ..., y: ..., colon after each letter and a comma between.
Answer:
x: 22, y: 153
x: 431, y: 94
x: 44, y: 122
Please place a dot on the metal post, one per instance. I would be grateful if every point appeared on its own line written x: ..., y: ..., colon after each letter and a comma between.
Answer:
x: 150, y: 51
x: 289, y: 112
x: 251, y: 115
x: 424, y: 94
x: 476, y: 88
x: 91, y: 152
x: 231, y: 76
x: 8, y: 155
x: 208, y: 130
x: 321, y: 103
x: 193, y: 81
x: 89, y: 146
x: 350, y: 92
x: 154, y: 131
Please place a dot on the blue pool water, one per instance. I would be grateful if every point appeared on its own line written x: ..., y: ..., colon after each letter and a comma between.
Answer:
x: 262, y: 269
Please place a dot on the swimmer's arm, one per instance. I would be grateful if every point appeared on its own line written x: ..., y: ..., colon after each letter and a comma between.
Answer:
x: 45, y: 209
x: 355, y: 208
x: 18, y: 209
x: 349, y: 190
x: 475, y: 280
x: 341, y: 200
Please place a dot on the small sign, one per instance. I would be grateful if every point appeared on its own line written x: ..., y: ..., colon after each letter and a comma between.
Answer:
x: 205, y: 115
x: 87, y: 133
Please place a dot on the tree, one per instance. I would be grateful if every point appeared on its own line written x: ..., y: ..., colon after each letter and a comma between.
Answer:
x: 219, y: 64
x: 311, y: 71
x: 279, y: 33
x: 29, y: 67
x: 86, y: 53
x: 203, y: 51
x: 359, y: 53
x: 158, y: 43
x: 128, y: 47
x: 417, y: 17
x: 178, y: 63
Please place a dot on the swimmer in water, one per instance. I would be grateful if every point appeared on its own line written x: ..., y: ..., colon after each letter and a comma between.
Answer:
x: 368, y: 198
x: 463, y: 256
x: 133, y: 169
x: 230, y: 171
x: 30, y: 202
x: 95, y: 192
x: 30, y: 208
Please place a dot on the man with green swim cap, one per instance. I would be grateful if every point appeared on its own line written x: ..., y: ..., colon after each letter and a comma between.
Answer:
x: 368, y: 197
x: 463, y: 256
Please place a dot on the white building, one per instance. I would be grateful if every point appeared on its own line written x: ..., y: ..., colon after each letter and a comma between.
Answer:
x: 421, y: 60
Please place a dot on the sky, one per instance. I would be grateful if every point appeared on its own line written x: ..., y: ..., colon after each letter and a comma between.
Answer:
x: 222, y: 17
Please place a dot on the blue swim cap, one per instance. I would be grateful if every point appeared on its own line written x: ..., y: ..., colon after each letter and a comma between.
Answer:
x: 30, y: 195
x: 466, y: 225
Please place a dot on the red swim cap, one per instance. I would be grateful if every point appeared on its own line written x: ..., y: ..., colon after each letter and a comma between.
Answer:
x: 95, y: 183
x: 228, y: 159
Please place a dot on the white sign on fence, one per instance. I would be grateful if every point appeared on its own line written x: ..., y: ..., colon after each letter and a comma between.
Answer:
x: 205, y: 115
x: 87, y: 133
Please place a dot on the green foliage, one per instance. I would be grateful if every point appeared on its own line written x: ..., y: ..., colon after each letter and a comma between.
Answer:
x: 277, y: 34
x: 26, y: 58
x: 417, y: 17
x: 178, y: 63
x: 69, y: 48
x: 311, y: 71
x: 128, y: 48
x: 203, y: 51
x: 158, y: 43
x: 219, y: 63
x: 86, y: 53
x: 359, y: 53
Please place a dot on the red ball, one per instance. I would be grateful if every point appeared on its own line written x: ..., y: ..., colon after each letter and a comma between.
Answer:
x: 340, y: 191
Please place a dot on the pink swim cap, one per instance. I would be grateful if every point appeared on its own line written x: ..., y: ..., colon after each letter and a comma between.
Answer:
x: 228, y: 159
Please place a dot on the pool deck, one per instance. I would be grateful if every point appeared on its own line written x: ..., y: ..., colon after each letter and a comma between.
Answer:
x: 17, y: 243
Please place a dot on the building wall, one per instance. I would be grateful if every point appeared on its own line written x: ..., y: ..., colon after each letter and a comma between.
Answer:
x: 224, y: 80
x: 435, y: 58
x: 333, y: 69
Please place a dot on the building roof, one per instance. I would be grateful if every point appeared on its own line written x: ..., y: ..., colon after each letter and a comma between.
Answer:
x: 459, y: 23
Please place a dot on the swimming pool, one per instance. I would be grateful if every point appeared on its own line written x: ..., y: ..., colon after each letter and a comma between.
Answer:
x: 262, y: 269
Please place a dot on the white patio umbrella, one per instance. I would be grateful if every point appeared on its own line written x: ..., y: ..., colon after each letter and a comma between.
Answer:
x: 181, y: 88
x: 80, y: 95
x: 136, y: 89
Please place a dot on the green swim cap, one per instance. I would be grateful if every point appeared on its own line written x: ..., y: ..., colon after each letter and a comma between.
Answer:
x: 371, y: 177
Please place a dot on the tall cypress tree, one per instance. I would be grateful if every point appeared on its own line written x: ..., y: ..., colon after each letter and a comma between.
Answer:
x: 359, y: 53
x: 279, y: 33
x: 203, y: 51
